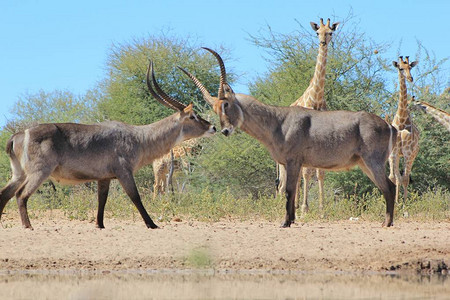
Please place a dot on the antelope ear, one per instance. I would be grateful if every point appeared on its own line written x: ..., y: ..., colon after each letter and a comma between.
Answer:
x: 187, y: 112
x: 395, y: 64
x: 413, y: 64
x: 228, y: 92
x: 314, y: 26
x: 335, y: 26
x: 189, y: 109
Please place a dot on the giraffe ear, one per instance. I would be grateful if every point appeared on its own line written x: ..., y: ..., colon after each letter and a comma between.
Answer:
x: 335, y: 26
x: 314, y: 26
x: 413, y: 64
x: 395, y: 64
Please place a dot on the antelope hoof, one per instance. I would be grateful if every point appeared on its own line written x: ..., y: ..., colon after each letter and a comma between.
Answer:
x: 387, y: 224
x: 152, y: 226
x: 286, y: 224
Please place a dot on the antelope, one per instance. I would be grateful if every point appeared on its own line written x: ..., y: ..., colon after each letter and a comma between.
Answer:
x: 72, y: 153
x: 299, y: 137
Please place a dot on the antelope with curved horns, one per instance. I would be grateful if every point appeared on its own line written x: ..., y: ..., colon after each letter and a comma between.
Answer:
x: 74, y: 153
x: 297, y: 136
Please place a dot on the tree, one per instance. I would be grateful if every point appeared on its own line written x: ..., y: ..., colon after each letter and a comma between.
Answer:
x: 50, y: 107
x: 126, y: 97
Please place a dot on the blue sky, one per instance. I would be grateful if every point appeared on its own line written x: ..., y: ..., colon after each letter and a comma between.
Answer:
x: 63, y: 45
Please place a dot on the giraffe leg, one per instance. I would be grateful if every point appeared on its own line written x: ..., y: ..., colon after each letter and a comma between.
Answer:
x: 306, y: 179
x: 320, y: 178
x: 394, y: 172
x: 297, y: 194
x: 392, y: 159
x: 159, y: 171
x: 281, y: 189
x: 406, y: 175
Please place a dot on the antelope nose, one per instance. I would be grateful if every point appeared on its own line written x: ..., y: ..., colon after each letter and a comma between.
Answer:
x: 225, y: 132
x: 214, y: 129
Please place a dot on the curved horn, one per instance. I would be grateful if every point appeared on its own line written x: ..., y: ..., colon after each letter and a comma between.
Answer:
x: 152, y: 91
x: 173, y: 102
x: 223, y: 73
x: 206, y: 95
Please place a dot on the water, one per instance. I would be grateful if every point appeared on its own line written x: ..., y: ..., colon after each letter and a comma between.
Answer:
x: 212, y: 285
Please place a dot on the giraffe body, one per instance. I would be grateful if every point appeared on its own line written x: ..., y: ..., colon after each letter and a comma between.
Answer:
x: 164, y: 167
x: 407, y: 145
x: 313, y: 97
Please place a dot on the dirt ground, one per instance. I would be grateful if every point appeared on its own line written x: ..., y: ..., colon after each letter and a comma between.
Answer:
x: 57, y: 243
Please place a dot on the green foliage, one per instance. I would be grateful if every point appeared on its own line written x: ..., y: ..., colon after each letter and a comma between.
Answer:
x: 432, y: 204
x: 5, y: 168
x: 239, y: 164
x: 127, y: 98
x: 51, y: 107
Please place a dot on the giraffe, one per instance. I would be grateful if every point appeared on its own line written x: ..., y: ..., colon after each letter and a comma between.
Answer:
x: 407, y: 144
x: 439, y: 115
x: 313, y: 97
x: 163, y: 167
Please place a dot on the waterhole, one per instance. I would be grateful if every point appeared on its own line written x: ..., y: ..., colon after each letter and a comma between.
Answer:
x: 208, y: 284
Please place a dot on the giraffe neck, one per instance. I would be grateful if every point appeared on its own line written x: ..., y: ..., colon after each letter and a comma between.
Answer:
x: 313, y: 97
x: 402, y: 118
x: 441, y: 116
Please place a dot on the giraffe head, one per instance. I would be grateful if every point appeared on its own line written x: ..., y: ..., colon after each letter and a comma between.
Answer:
x: 405, y: 67
x: 324, y: 32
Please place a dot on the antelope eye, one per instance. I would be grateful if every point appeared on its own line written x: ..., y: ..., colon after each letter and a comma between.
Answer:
x: 192, y: 117
x: 225, y: 104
